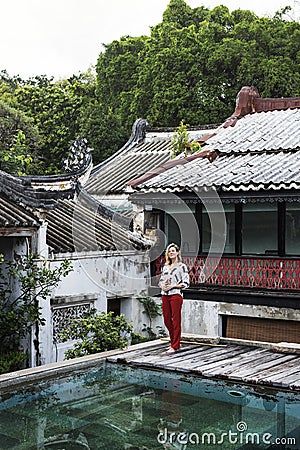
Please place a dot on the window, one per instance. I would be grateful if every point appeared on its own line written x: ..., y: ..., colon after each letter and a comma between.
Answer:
x: 250, y: 228
x: 292, y: 229
x: 260, y: 229
x: 214, y: 216
x: 182, y: 228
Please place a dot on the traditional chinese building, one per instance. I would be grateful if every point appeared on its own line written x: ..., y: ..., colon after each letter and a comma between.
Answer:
x: 55, y: 218
x: 234, y: 207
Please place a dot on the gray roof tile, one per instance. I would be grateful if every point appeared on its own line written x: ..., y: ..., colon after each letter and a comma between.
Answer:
x: 261, y: 151
x: 76, y: 227
x: 14, y: 215
x: 232, y: 172
x: 148, y: 152
x: 259, y: 132
x: 114, y: 176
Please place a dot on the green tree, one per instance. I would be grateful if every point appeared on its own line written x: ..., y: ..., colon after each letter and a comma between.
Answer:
x: 191, y: 67
x: 152, y: 310
x: 195, y: 61
x: 55, y: 108
x: 19, y: 141
x: 103, y: 130
x: 179, y: 14
x: 24, y: 282
x: 108, y: 120
x: 181, y: 142
x: 97, y: 333
x: 17, y: 159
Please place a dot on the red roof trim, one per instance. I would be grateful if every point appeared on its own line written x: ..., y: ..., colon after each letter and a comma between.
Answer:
x: 210, y: 155
x: 249, y: 101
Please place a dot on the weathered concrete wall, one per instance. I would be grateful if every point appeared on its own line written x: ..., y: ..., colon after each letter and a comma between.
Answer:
x: 116, y: 274
x: 96, y: 277
x: 204, y: 317
x: 200, y: 317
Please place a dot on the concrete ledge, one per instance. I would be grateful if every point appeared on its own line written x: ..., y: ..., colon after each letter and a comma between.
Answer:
x: 286, y: 347
x: 19, y: 377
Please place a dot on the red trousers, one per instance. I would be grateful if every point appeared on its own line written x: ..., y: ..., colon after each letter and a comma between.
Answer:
x: 171, y: 309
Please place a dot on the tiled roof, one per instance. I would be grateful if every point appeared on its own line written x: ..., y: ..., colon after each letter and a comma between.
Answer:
x: 14, y: 215
x: 131, y: 161
x: 114, y: 176
x: 251, y: 171
x: 145, y: 150
x: 256, y: 151
x: 43, y: 191
x: 259, y: 132
x: 74, y: 226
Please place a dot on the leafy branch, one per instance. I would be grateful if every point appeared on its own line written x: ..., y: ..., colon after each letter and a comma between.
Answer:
x: 181, y: 144
x: 23, y: 283
x: 96, y: 333
x: 152, y: 310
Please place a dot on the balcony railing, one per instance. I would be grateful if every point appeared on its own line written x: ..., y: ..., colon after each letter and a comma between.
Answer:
x: 250, y: 272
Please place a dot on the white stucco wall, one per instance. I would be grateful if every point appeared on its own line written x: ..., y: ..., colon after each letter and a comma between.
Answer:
x: 97, y: 276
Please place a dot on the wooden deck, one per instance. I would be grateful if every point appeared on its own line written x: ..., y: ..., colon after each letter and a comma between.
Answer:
x: 237, y: 363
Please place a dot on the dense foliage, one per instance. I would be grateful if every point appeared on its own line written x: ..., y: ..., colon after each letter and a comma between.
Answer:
x: 190, y: 67
x: 97, y: 333
x: 24, y: 282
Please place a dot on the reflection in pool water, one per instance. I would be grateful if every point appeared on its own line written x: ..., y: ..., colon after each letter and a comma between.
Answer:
x: 122, y: 408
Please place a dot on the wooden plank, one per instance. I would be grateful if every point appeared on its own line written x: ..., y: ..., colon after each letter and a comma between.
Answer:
x: 166, y: 360
x: 270, y: 368
x: 186, y: 352
x: 219, y: 368
x: 239, y: 363
x: 257, y: 379
x: 210, y: 356
x: 208, y: 351
x: 288, y: 369
x: 267, y: 361
x: 153, y: 358
x: 295, y: 385
x: 191, y: 341
x: 131, y: 353
x: 287, y: 377
x: 287, y: 381
x: 200, y: 361
x: 161, y: 353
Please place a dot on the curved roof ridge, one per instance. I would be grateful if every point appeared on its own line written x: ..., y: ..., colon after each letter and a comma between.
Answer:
x: 43, y: 191
x: 137, y: 136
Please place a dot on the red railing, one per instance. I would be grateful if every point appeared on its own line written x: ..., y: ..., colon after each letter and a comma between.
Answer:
x: 251, y: 272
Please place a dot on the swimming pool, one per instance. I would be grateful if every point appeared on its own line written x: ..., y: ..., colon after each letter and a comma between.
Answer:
x: 117, y: 407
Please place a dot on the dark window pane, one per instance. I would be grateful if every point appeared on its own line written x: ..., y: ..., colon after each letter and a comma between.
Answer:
x: 292, y: 230
x: 260, y: 229
x: 182, y: 229
x: 215, y: 217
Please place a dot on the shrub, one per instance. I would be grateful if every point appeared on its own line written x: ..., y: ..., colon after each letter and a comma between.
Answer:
x: 97, y: 333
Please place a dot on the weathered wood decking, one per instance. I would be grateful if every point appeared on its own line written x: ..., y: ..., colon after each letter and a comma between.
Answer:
x: 238, y: 363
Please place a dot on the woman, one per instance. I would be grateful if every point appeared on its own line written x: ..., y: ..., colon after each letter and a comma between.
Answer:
x: 174, y: 278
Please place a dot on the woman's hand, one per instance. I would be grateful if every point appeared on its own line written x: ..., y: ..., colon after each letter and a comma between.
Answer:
x: 167, y: 287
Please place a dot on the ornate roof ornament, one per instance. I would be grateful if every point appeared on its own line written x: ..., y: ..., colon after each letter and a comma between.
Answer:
x: 79, y: 155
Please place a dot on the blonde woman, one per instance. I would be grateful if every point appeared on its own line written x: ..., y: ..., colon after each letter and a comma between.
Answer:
x: 173, y: 280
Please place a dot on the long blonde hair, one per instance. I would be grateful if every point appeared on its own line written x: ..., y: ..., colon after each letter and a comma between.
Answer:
x: 168, y: 260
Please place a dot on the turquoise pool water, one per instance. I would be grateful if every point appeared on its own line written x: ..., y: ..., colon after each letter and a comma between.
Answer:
x: 115, y: 407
